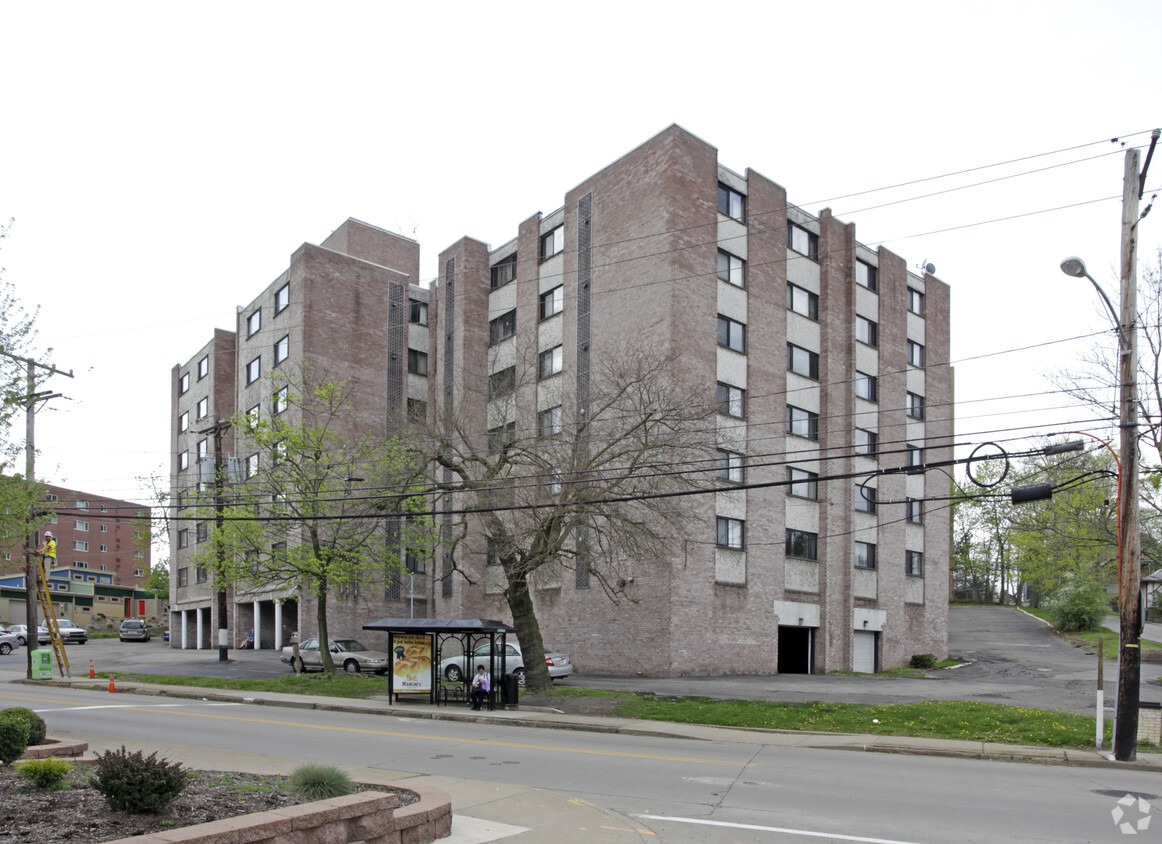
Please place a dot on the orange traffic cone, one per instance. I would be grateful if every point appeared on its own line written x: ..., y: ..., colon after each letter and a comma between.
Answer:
x: 92, y: 673
x: 111, y: 688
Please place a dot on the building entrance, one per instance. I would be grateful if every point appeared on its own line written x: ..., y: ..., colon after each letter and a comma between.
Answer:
x: 796, y: 650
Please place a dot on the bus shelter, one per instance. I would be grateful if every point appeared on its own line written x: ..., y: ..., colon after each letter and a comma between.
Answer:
x: 418, y: 646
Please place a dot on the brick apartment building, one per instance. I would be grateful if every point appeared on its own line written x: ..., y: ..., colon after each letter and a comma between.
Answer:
x: 347, y: 307
x: 829, y: 354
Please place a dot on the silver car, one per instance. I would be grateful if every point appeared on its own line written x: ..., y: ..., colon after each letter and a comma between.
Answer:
x: 133, y: 630
x: 348, y: 653
x: 8, y: 643
x: 454, y: 668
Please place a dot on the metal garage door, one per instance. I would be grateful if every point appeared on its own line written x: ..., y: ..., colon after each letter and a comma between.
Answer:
x: 863, y: 651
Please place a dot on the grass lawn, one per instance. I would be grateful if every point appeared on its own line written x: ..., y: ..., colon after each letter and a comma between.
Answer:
x: 1091, y: 636
x: 339, y: 684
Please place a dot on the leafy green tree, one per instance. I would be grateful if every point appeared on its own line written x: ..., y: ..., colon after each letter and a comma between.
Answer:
x: 157, y: 581
x: 303, y: 516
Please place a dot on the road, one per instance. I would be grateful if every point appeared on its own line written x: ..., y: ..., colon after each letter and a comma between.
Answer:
x: 649, y: 788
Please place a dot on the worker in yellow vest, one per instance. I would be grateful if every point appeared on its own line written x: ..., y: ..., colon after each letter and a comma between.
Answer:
x: 47, y: 550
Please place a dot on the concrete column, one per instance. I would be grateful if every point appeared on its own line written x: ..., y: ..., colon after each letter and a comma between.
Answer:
x: 257, y: 619
x: 185, y: 629
x: 278, y: 625
x: 198, y: 628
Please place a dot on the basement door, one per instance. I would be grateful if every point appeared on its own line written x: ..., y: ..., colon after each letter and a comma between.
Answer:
x: 796, y: 650
x: 864, y: 651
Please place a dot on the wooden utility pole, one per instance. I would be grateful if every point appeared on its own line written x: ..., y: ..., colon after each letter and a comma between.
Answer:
x: 217, y: 430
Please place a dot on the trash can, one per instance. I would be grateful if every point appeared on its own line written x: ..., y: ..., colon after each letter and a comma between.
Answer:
x: 42, y: 664
x: 510, y: 690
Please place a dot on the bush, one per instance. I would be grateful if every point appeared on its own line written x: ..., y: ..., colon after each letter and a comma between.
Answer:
x: 36, y: 728
x: 13, y: 736
x: 131, y: 782
x: 1078, y: 607
x: 319, y: 782
x: 923, y: 661
x: 44, y: 773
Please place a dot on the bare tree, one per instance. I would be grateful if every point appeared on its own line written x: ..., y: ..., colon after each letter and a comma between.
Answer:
x: 572, y: 489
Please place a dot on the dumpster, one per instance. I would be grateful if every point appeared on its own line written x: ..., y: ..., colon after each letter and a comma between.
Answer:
x: 510, y: 690
x: 42, y: 664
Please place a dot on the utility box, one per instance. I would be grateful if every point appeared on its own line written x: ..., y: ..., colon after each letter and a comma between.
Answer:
x: 510, y: 691
x: 42, y: 664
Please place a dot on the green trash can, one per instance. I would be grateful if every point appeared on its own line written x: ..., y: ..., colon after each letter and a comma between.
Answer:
x: 42, y: 664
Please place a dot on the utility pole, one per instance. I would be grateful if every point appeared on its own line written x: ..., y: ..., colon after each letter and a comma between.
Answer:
x: 217, y: 430
x: 30, y: 400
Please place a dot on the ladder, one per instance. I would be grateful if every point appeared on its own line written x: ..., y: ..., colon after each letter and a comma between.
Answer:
x: 54, y: 632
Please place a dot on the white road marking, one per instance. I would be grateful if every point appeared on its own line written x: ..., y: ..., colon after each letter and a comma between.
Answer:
x: 128, y: 706
x: 832, y: 835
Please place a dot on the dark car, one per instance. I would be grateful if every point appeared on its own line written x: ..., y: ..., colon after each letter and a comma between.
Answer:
x: 134, y: 630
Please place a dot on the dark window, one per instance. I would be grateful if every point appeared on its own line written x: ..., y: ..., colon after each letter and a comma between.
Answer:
x: 802, y: 423
x: 503, y: 327
x: 254, y: 370
x: 731, y: 268
x: 417, y: 362
x: 731, y: 400
x: 183, y: 461
x: 279, y: 401
x: 504, y: 271
x: 802, y: 301
x: 803, y: 241
x: 551, y: 362
x: 803, y: 361
x: 200, y: 574
x: 915, y: 353
x: 202, y: 531
x: 203, y: 408
x: 865, y: 498
x: 282, y: 298
x: 184, y: 384
x: 731, y: 203
x: 802, y: 544
x: 866, y: 442
x: 915, y: 301
x: 552, y: 242
x: 914, y: 511
x: 914, y: 563
x: 417, y: 312
x: 184, y: 538
x: 282, y: 350
x: 203, y: 367
x: 731, y: 334
x: 183, y: 577
x: 253, y: 323
x: 417, y: 410
x: 865, y: 555
x: 865, y: 386
x: 549, y: 421
x: 552, y: 302
x: 865, y: 275
x: 913, y: 456
x: 915, y: 407
x: 730, y: 466
x: 502, y: 383
x: 731, y: 533
x: 184, y: 421
x: 802, y: 484
x: 502, y: 436
x: 866, y: 331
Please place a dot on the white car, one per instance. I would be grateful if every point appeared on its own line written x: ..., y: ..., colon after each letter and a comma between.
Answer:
x: 8, y: 642
x: 348, y: 654
x: 454, y: 669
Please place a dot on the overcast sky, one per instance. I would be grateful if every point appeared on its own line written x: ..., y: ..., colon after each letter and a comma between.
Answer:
x: 162, y: 161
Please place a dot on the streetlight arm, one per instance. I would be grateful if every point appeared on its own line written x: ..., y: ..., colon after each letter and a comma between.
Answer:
x: 1123, y: 340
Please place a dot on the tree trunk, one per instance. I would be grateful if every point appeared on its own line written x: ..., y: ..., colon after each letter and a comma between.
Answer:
x: 528, y: 629
x: 321, y: 618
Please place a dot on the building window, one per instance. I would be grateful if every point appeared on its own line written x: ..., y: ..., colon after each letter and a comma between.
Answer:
x: 549, y: 422
x: 865, y: 498
x: 551, y: 362
x: 103, y: 567
x: 282, y: 298
x: 913, y: 456
x: 504, y: 271
x: 802, y: 484
x: 730, y: 466
x: 866, y: 331
x: 915, y: 353
x: 183, y: 461
x: 279, y: 401
x: 731, y: 334
x: 731, y: 401
x: 865, y: 386
x: 202, y: 448
x: 730, y: 533
x: 81, y: 564
x: 731, y: 268
x: 502, y: 383
x: 104, y: 528
x: 417, y: 410
x: 865, y: 555
x: 201, y: 532
x: 203, y: 367
x: 81, y: 525
x: 251, y: 466
x: 802, y: 301
x: 802, y: 544
x: 865, y: 275
x: 417, y: 312
x: 253, y: 323
x: 803, y: 241
x: 104, y: 548
x: 52, y: 496
x: 203, y: 408
x: 184, y: 422
x: 915, y: 301
x: 552, y: 242
x: 802, y: 361
x: 914, y: 511
x: 200, y: 574
x: 552, y: 302
x: 184, y: 384
x: 417, y: 362
x: 914, y: 563
x: 183, y: 577
x: 866, y: 442
x: 915, y: 406
x: 80, y: 545
x: 80, y: 505
x: 802, y: 423
x: 501, y: 436
x: 282, y: 350
x: 731, y: 203
x: 254, y: 370
x: 503, y: 327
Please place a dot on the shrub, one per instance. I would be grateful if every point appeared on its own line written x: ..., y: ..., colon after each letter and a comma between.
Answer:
x: 1079, y: 606
x: 132, y: 782
x: 13, y: 736
x: 319, y: 782
x: 44, y: 773
x: 923, y: 661
x: 36, y: 728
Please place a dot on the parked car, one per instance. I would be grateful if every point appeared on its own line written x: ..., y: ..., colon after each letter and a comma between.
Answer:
x: 71, y: 634
x: 350, y: 654
x: 20, y: 631
x: 454, y: 669
x: 133, y: 630
x: 8, y: 643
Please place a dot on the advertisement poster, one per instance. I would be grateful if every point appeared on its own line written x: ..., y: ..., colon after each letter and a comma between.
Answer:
x: 411, y: 669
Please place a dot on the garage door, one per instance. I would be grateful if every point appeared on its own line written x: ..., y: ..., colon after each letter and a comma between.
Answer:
x: 863, y: 651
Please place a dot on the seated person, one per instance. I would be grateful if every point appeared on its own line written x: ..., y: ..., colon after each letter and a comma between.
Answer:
x: 480, y: 688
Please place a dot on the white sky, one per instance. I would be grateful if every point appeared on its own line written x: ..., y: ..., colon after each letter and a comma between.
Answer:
x: 162, y: 161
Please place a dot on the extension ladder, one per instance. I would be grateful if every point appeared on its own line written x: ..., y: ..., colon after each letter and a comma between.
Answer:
x: 54, y: 632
